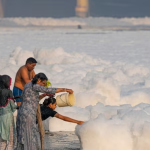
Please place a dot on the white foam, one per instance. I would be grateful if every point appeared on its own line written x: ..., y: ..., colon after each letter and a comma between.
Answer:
x: 137, y: 21
x: 105, y: 134
x: 89, y: 22
x: 42, y: 22
x: 18, y: 56
x: 108, y: 71
x: 123, y: 127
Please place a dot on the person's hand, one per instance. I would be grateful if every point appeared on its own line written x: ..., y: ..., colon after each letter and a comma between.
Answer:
x: 70, y: 91
x: 42, y: 96
x: 46, y: 94
x: 80, y: 122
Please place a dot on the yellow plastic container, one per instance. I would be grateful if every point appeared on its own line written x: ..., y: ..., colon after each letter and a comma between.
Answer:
x: 65, y: 99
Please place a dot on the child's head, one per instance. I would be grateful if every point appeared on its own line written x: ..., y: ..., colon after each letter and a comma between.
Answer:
x: 50, y: 102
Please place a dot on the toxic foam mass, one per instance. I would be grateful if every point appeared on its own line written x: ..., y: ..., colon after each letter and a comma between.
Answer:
x: 120, y: 119
x: 109, y: 73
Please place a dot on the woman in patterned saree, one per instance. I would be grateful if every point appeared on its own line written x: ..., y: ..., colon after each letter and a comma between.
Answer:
x: 26, y: 119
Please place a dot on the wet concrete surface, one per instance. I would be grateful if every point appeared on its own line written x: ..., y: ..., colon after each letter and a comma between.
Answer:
x: 62, y: 141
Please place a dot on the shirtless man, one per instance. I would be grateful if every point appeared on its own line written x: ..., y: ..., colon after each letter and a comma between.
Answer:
x: 24, y: 75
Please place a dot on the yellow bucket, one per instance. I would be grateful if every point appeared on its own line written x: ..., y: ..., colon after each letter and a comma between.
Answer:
x: 65, y: 100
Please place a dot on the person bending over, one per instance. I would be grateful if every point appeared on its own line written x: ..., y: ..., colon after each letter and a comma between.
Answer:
x: 47, y: 110
x: 24, y: 75
x: 26, y: 118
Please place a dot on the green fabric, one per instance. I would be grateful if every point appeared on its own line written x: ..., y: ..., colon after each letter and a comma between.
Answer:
x: 6, y: 114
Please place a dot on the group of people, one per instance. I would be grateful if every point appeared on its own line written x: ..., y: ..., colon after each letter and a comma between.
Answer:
x: 27, y: 86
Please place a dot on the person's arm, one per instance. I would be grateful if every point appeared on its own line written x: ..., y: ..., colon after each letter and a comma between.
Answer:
x: 11, y: 99
x: 43, y: 89
x: 64, y: 90
x: 33, y: 73
x: 25, y: 75
x: 57, y: 115
x: 42, y: 96
x: 13, y: 106
x: 10, y: 94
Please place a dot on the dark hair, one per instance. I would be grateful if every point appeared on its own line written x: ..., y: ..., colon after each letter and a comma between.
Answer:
x: 41, y: 76
x: 31, y: 60
x: 49, y: 100
x: 5, y: 81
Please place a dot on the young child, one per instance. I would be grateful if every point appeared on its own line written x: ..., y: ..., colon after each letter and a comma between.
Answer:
x: 7, y: 108
x: 47, y: 110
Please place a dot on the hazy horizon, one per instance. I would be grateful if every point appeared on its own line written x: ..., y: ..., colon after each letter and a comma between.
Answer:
x: 66, y: 8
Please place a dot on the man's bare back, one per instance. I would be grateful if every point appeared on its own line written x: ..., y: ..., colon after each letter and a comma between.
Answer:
x: 23, y: 76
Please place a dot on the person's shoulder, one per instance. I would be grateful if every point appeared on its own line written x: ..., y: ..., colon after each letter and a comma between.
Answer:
x: 29, y: 84
x: 6, y: 91
x: 51, y: 110
x: 37, y: 85
x: 42, y: 106
x: 21, y: 69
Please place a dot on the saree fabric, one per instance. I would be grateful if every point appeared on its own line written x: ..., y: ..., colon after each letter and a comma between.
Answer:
x: 7, y: 108
x: 6, y: 115
x: 26, y: 119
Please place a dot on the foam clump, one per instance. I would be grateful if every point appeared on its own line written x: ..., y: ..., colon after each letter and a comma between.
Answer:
x: 137, y: 21
x: 44, y: 21
x: 123, y: 127
x: 90, y: 22
x: 18, y: 56
x: 104, y: 134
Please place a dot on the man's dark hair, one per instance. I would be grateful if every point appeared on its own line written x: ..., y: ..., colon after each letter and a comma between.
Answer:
x: 31, y: 60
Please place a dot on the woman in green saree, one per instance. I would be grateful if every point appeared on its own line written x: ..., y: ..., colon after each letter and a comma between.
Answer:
x: 7, y: 108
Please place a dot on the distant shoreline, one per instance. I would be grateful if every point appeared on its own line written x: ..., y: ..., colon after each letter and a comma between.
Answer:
x: 85, y: 28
